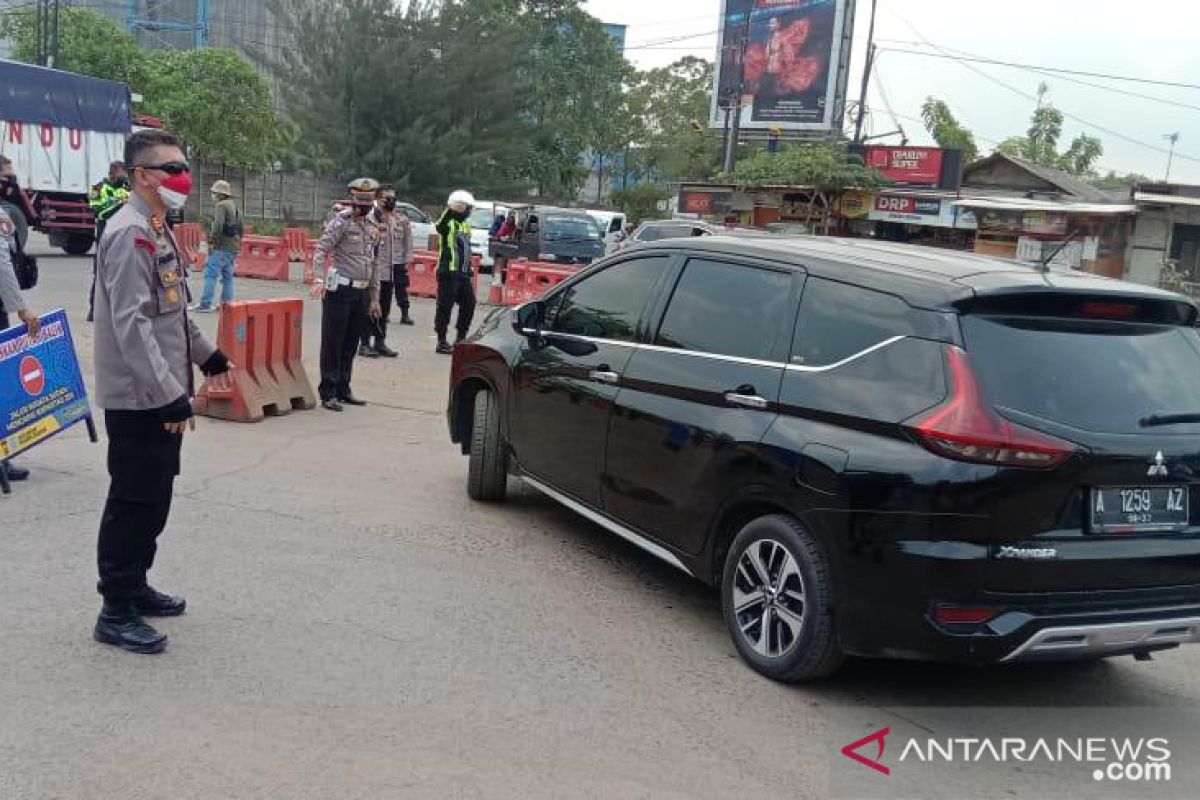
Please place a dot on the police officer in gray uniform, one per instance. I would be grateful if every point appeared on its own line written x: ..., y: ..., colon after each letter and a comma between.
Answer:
x: 145, y: 348
x: 348, y: 292
x: 11, y: 300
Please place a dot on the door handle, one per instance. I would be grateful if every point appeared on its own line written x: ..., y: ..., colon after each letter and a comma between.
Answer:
x: 746, y: 400
x: 604, y: 376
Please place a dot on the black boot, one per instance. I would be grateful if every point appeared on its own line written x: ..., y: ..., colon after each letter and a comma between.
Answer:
x: 121, y: 627
x: 405, y: 319
x: 366, y: 351
x: 152, y: 603
x: 444, y: 348
x: 382, y: 349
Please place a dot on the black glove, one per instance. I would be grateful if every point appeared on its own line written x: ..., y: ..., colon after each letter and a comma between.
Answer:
x: 217, y: 364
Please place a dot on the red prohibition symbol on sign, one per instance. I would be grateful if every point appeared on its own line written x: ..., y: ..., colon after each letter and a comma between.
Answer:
x: 33, y: 377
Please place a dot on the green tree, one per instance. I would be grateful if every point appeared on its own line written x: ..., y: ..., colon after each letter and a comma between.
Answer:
x: 946, y: 130
x: 670, y: 103
x: 1114, y: 182
x: 824, y: 169
x: 216, y: 102
x: 89, y: 43
x: 640, y: 201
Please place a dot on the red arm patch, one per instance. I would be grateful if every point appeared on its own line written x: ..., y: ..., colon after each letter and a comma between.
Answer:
x: 145, y: 244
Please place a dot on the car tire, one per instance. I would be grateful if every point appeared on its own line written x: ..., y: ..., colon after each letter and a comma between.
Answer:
x: 487, y: 475
x: 78, y: 244
x: 794, y: 601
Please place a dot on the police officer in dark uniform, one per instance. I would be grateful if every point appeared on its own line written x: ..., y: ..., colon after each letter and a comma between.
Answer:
x: 145, y: 348
x: 454, y: 270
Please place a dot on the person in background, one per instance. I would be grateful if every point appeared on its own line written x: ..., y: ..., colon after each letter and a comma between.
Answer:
x: 105, y: 199
x: 497, y: 224
x: 615, y: 241
x: 11, y: 300
x: 454, y: 270
x: 225, y: 240
x: 11, y: 194
x: 391, y: 261
x: 509, y: 229
x: 348, y: 291
x: 145, y: 347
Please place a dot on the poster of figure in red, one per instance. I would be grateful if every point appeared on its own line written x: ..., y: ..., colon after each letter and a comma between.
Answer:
x: 793, y: 74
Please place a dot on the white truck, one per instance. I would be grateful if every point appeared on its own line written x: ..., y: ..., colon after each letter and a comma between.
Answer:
x: 61, y: 131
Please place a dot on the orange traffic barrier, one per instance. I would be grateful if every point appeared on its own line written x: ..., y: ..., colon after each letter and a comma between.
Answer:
x: 529, y: 280
x: 263, y: 340
x: 262, y: 257
x: 422, y: 274
x: 189, y: 236
x: 297, y: 240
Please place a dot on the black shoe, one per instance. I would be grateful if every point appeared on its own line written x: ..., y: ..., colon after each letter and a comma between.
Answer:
x: 13, y: 472
x: 444, y: 349
x: 382, y: 349
x: 366, y: 351
x: 407, y: 320
x: 153, y: 603
x: 331, y: 405
x: 351, y: 400
x: 462, y: 337
x: 126, y: 630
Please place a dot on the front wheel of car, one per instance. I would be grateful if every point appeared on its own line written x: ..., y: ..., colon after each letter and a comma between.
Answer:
x: 777, y: 597
x: 487, y: 475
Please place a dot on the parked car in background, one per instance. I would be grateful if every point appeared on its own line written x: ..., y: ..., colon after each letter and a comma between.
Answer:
x: 422, y: 225
x: 871, y: 449
x: 555, y: 235
x: 609, y: 222
x: 481, y: 219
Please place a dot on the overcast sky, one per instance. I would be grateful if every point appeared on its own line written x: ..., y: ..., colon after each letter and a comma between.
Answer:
x: 1152, y: 39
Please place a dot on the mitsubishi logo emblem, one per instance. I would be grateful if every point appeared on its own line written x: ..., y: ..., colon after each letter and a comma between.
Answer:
x: 1158, y: 467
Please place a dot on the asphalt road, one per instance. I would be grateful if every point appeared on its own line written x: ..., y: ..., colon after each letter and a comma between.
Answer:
x: 357, y: 628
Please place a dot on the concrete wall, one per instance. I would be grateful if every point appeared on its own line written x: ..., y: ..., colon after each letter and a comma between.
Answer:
x: 295, y: 197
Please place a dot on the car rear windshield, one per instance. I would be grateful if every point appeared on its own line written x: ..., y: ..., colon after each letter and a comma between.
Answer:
x: 652, y: 233
x: 562, y: 227
x: 1102, y: 376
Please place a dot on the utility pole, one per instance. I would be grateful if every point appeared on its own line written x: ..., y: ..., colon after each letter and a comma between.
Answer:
x: 735, y: 127
x: 866, y: 79
x: 52, y: 57
x: 1173, y: 138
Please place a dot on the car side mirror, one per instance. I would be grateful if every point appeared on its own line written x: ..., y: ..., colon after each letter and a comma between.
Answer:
x: 529, y: 318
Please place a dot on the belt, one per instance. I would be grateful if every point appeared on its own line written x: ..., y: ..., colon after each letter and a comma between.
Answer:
x: 344, y: 281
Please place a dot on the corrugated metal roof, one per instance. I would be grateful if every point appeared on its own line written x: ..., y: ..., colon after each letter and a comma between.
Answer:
x: 1024, y: 204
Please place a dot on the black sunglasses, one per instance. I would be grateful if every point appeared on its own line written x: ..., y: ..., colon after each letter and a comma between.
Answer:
x: 169, y: 167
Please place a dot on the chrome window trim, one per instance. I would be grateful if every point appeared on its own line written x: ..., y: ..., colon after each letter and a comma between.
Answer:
x: 754, y: 362
x: 612, y: 525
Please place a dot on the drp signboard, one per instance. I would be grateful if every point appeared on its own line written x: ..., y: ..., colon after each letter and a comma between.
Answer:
x: 41, y: 389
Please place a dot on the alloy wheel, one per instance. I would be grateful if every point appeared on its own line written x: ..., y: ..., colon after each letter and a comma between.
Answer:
x: 769, y: 599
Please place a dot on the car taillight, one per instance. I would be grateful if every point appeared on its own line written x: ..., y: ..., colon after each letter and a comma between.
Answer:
x: 966, y: 428
x: 963, y: 615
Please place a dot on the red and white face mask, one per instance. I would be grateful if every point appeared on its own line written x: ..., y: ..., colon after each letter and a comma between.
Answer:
x: 174, y: 190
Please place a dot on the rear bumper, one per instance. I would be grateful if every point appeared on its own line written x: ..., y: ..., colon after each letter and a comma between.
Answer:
x: 1058, y: 641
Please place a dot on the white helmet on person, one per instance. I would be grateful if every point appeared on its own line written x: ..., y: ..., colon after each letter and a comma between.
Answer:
x: 461, y: 197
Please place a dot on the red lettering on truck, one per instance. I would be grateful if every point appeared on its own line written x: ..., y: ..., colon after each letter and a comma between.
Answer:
x: 75, y: 139
x: 47, y: 136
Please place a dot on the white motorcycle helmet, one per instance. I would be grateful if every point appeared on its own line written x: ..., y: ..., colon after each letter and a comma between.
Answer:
x: 461, y: 196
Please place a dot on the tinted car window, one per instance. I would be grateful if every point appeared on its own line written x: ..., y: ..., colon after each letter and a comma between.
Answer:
x: 415, y: 214
x: 607, y: 305
x: 1102, y: 377
x: 727, y: 309
x: 569, y: 227
x: 838, y: 320
x: 652, y: 233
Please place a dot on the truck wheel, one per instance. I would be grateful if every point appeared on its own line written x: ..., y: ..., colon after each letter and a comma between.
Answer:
x: 78, y: 244
x: 487, y: 475
x: 777, y: 595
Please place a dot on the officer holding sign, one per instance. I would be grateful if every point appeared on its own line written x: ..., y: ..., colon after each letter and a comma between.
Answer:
x: 12, y: 300
x: 145, y: 348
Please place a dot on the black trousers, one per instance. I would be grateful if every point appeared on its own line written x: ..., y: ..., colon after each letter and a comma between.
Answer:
x: 454, y: 289
x: 377, y: 328
x: 143, y: 460
x: 92, y: 292
x: 342, y: 315
x: 400, y: 281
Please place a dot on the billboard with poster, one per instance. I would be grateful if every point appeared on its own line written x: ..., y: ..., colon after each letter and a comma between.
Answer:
x: 793, y: 74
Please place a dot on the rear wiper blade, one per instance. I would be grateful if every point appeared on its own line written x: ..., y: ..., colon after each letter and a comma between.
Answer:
x: 1155, y: 420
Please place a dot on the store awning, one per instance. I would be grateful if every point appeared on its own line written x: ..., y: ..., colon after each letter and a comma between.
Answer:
x: 1022, y: 204
x: 1165, y: 199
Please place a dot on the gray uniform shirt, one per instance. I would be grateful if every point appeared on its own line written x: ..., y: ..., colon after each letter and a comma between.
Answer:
x: 395, y: 243
x: 353, y: 242
x: 143, y: 335
x: 10, y: 290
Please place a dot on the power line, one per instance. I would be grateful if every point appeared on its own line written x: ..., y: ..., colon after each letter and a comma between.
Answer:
x: 1038, y: 71
x: 1001, y: 63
